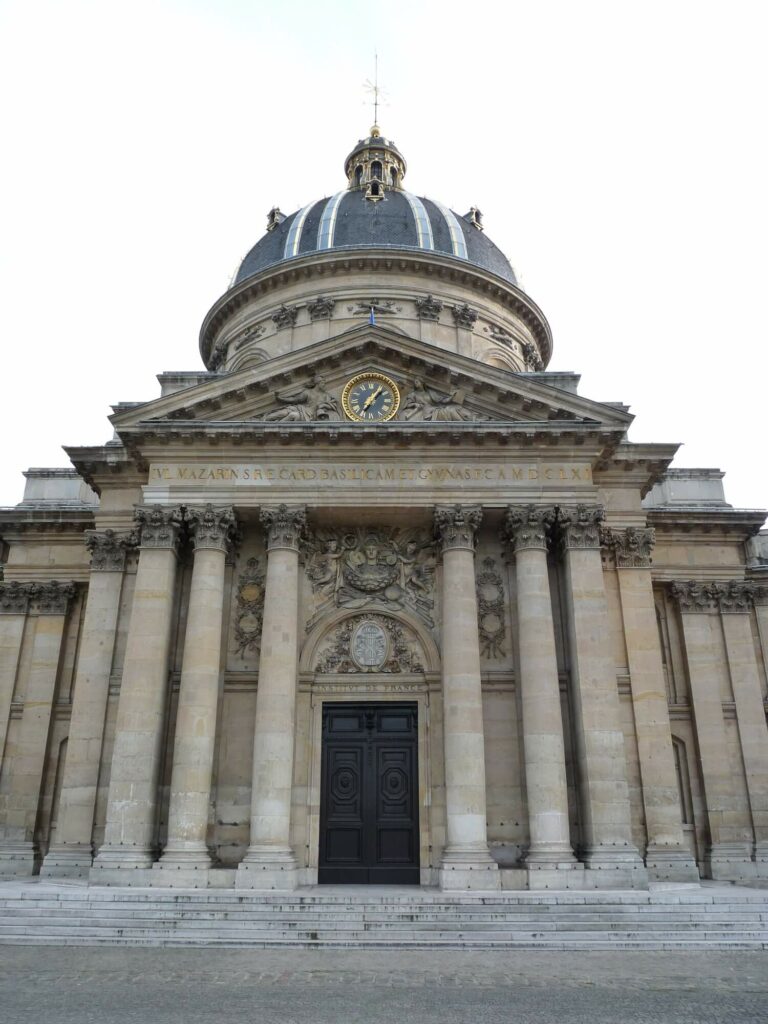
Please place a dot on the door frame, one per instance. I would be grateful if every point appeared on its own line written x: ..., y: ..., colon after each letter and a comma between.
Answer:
x: 363, y: 690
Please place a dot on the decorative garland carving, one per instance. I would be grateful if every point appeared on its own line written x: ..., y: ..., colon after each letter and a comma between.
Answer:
x: 401, y: 655
x: 391, y: 567
x: 429, y: 308
x: 375, y: 306
x: 490, y: 610
x: 249, y: 611
x: 250, y: 333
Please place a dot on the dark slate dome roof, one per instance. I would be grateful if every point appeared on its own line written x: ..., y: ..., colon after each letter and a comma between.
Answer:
x: 398, y: 220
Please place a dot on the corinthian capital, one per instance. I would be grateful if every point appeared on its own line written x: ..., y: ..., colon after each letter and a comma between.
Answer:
x: 693, y: 596
x: 284, y: 525
x: 631, y: 547
x: 159, y: 525
x: 734, y: 597
x: 14, y: 597
x: 528, y: 526
x: 456, y: 525
x: 108, y: 549
x: 51, y: 598
x: 580, y: 526
x: 211, y: 527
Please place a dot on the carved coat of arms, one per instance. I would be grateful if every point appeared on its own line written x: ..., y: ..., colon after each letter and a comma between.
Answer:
x: 362, y: 567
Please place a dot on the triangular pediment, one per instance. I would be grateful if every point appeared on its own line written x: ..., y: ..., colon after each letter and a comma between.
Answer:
x: 436, y: 388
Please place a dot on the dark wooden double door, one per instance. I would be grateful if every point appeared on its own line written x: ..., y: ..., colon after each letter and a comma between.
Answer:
x: 369, y: 821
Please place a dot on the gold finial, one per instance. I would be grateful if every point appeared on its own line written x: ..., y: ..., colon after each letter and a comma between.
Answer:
x: 375, y: 131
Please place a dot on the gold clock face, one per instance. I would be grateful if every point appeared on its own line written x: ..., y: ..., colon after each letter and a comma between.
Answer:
x: 370, y: 398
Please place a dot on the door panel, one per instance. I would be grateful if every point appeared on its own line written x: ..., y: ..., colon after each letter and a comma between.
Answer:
x: 369, y: 828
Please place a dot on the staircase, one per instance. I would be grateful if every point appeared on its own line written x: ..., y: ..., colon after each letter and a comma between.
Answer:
x: 710, y: 917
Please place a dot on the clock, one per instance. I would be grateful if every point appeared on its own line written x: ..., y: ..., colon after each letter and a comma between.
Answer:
x: 370, y: 398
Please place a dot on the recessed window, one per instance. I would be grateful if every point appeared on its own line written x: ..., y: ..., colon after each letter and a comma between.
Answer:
x: 376, y: 170
x: 358, y: 175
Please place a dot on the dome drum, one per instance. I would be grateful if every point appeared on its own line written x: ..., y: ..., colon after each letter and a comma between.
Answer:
x: 463, y: 311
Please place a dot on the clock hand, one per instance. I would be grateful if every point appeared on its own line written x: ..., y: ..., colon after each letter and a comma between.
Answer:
x: 373, y: 397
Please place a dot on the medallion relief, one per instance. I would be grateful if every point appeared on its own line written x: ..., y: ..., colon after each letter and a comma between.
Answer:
x: 369, y: 643
x: 361, y: 567
x: 490, y: 610
x: 249, y: 608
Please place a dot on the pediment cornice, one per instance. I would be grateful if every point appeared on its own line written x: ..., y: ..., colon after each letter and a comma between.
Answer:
x: 493, y: 396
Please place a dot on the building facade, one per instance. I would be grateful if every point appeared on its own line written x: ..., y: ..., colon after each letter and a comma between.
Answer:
x: 378, y: 598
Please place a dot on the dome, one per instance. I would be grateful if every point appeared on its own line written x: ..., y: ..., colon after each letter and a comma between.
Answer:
x: 375, y: 212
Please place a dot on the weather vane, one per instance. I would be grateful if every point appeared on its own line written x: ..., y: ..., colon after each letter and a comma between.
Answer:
x: 372, y: 88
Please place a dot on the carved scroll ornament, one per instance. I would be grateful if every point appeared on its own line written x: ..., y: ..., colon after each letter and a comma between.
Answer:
x: 490, y: 610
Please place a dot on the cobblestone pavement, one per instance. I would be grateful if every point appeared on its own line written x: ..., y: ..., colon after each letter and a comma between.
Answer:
x: 60, y: 985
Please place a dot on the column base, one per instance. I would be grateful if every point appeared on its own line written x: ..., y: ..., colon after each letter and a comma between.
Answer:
x: 464, y: 868
x: 122, y: 865
x: 730, y: 862
x: 267, y: 868
x: 550, y: 857
x: 68, y: 860
x: 183, y: 865
x: 670, y: 864
x: 17, y: 858
x: 619, y: 863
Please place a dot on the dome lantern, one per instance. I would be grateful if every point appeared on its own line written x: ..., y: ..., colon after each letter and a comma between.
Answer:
x: 374, y: 165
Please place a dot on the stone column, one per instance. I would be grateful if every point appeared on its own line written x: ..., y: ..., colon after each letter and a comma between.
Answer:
x: 269, y: 862
x: 544, y: 748
x: 608, y: 845
x: 129, y: 838
x: 48, y: 604
x: 728, y: 855
x: 736, y: 600
x: 14, y: 602
x: 467, y: 863
x: 72, y: 854
x: 186, y: 854
x: 666, y: 856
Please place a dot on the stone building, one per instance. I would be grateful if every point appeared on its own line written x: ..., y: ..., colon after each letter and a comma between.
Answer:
x: 376, y: 597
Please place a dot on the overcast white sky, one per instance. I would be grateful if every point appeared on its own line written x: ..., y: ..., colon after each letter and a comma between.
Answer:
x: 617, y: 150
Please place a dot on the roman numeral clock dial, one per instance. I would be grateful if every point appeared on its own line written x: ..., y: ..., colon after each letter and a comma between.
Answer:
x: 370, y: 398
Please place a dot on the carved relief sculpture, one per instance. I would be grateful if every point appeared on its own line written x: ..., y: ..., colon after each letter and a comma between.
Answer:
x: 249, y: 334
x: 369, y: 643
x: 464, y: 315
x: 424, y: 403
x: 429, y: 308
x: 285, y: 316
x: 249, y: 608
x: 375, y: 306
x: 364, y: 567
x: 305, y: 404
x: 490, y: 610
x: 321, y: 308
x: 532, y: 357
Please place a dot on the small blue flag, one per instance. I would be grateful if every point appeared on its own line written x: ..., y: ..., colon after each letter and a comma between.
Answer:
x: 372, y: 317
